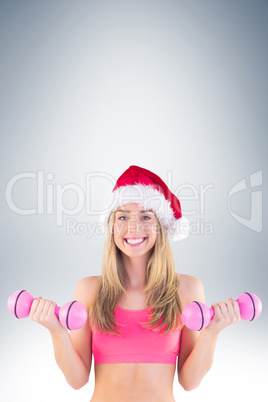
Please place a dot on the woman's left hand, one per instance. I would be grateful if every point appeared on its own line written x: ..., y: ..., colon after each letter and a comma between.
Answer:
x: 226, y: 313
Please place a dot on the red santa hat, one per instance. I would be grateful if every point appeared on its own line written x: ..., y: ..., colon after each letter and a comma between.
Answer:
x: 138, y: 185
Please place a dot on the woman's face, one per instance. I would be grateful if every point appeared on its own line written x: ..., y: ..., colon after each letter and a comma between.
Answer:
x: 135, y: 229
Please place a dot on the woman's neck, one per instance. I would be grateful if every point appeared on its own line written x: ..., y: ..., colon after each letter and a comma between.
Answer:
x: 136, y: 271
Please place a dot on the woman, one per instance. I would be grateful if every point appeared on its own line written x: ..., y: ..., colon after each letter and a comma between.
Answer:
x: 134, y: 329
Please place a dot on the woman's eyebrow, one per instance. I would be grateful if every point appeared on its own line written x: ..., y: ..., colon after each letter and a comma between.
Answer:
x: 128, y: 212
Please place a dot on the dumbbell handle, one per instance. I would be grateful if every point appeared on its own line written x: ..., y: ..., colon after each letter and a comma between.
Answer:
x: 72, y: 315
x: 197, y: 316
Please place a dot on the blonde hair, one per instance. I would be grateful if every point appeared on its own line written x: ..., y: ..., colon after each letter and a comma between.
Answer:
x: 162, y: 281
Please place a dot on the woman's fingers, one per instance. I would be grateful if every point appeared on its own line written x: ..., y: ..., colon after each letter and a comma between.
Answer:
x: 39, y: 310
x: 235, y: 310
x: 43, y: 312
x: 220, y: 310
x: 42, y: 309
x: 34, y: 307
x: 46, y: 307
x: 51, y: 309
x: 230, y: 316
x: 217, y: 311
x: 225, y: 314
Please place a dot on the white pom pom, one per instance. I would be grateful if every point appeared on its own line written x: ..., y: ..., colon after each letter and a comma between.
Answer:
x: 180, y: 229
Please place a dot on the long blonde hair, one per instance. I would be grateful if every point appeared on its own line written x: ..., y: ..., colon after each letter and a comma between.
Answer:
x: 162, y: 281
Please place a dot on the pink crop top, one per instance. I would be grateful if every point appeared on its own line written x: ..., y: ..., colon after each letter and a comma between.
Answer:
x: 136, y: 344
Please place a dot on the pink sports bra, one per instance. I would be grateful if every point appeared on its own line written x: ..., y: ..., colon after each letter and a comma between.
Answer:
x: 136, y: 344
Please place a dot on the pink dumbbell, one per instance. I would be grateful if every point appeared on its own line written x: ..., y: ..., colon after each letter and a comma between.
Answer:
x: 197, y: 316
x: 72, y: 315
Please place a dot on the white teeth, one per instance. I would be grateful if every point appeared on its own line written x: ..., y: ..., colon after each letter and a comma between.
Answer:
x: 134, y: 241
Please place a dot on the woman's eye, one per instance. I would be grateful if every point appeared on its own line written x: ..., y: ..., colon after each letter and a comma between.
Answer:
x: 122, y: 218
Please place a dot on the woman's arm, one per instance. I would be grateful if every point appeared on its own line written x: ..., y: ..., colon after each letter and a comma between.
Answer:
x: 68, y: 359
x: 72, y: 351
x: 197, y: 348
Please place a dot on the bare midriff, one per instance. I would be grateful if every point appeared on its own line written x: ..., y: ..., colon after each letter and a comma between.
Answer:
x: 125, y: 382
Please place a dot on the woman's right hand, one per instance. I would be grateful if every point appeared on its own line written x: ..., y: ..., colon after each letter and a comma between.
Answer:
x: 43, y: 312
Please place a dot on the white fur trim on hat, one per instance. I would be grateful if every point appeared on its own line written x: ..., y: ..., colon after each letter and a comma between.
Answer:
x: 149, y: 198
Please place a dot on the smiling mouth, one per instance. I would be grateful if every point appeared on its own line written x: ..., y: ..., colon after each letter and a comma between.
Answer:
x: 135, y: 241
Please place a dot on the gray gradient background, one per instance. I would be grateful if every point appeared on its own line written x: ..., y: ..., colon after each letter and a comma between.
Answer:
x: 178, y: 87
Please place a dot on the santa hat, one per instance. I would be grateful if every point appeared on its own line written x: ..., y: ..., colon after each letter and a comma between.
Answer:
x: 138, y: 185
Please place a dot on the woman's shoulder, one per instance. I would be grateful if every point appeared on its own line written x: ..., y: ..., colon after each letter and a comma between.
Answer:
x: 88, y: 281
x: 85, y: 289
x: 190, y: 288
x: 189, y: 281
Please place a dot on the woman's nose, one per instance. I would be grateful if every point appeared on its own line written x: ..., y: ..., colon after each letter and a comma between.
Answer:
x: 133, y: 225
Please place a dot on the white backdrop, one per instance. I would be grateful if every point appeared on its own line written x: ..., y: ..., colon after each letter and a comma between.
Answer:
x: 89, y: 88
